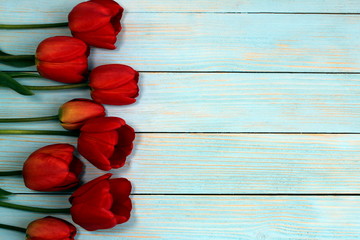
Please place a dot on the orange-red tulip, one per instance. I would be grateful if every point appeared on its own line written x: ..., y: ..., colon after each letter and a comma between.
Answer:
x: 52, y: 168
x: 96, y: 22
x: 62, y: 59
x: 106, y: 142
x: 74, y: 113
x: 50, y: 228
x: 101, y: 203
x: 114, y: 84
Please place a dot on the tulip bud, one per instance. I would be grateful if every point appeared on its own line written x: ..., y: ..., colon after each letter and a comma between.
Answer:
x: 101, y: 203
x: 96, y: 22
x: 50, y: 228
x: 52, y: 168
x: 74, y: 113
x: 114, y: 84
x: 62, y: 59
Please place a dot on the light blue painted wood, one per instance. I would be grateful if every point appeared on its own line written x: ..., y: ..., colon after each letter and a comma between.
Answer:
x: 219, y: 163
x: 221, y: 42
x: 59, y: 8
x: 176, y: 102
x: 218, y: 217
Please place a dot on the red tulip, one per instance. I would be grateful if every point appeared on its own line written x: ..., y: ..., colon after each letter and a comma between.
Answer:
x: 106, y: 142
x: 62, y: 59
x: 50, y: 228
x: 114, y: 84
x: 52, y: 168
x: 101, y: 203
x: 96, y: 22
x: 74, y: 113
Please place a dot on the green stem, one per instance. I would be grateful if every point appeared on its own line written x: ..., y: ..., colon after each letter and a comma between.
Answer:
x: 30, y: 26
x: 34, y: 119
x: 17, y: 57
x: 59, y: 87
x: 11, y: 173
x: 37, y: 132
x: 34, y: 209
x: 23, y: 74
x: 9, y: 227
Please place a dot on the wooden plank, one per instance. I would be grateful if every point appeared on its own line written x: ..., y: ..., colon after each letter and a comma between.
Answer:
x: 194, y: 102
x: 23, y: 9
x: 214, y: 217
x: 219, y: 163
x: 221, y: 42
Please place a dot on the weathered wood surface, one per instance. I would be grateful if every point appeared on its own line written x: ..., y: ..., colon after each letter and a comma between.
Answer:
x: 221, y: 42
x: 219, y: 163
x: 231, y: 102
x: 218, y: 217
x: 190, y: 37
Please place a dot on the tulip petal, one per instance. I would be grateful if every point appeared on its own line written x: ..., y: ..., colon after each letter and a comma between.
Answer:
x: 120, y: 189
x: 114, y: 7
x: 56, y: 159
x: 91, y: 218
x: 91, y: 205
x: 101, y: 203
x: 99, y: 196
x: 61, y: 49
x: 95, y: 151
x: 123, y: 147
x: 37, y: 179
x: 62, y: 151
x: 89, y: 185
x: 88, y: 16
x: 111, y: 98
x: 73, y: 71
x: 102, y: 124
x: 50, y: 228
x: 112, y: 76
x: 104, y: 37
x: 80, y: 109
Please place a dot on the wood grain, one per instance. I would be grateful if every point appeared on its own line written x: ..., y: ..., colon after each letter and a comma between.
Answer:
x: 217, y: 217
x: 22, y: 11
x: 219, y: 163
x: 221, y: 42
x: 233, y: 102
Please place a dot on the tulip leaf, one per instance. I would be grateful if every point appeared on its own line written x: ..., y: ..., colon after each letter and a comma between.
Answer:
x: 4, y: 194
x: 7, y: 81
x: 17, y: 60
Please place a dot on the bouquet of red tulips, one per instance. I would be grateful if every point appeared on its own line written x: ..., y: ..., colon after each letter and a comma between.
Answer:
x: 104, y: 141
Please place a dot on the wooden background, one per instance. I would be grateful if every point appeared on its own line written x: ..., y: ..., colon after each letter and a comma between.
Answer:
x: 248, y: 120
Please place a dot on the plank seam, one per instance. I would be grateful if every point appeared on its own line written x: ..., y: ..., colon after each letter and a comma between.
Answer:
x: 237, y: 12
x: 216, y: 194
x: 270, y: 133
x: 234, y: 72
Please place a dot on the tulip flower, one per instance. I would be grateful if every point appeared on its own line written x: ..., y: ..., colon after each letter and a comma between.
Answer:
x: 62, y: 59
x: 106, y: 142
x: 50, y: 228
x: 47, y: 228
x: 96, y: 22
x: 74, y: 113
x: 101, y: 203
x: 52, y: 168
x: 114, y: 84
